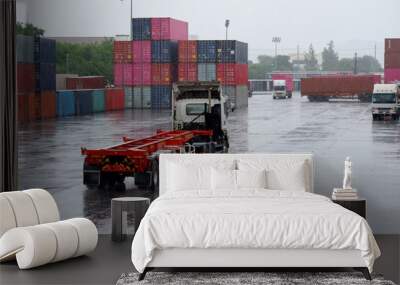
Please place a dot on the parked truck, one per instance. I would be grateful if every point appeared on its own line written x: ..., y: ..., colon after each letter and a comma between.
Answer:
x: 323, y: 88
x: 199, y: 125
x: 386, y: 102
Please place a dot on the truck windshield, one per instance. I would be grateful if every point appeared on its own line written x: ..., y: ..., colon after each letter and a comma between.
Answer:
x: 279, y: 88
x: 195, y: 109
x: 387, y: 98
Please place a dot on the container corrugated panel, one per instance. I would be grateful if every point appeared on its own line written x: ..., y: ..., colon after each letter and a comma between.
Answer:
x: 392, y: 59
x: 141, y: 51
x: 61, y: 80
x: 237, y: 95
x: 45, y: 76
x: 168, y: 29
x: 128, y: 97
x: 206, y: 51
x: 142, y: 97
x: 141, y: 29
x: 163, y: 73
x: 25, y: 49
x: 232, y: 52
x: 392, y: 45
x: 83, y: 102
x: 187, y: 71
x: 98, y: 100
x: 285, y: 76
x: 187, y: 51
x: 44, y: 50
x: 48, y: 104
x: 85, y: 82
x: 207, y: 71
x: 392, y: 75
x: 141, y: 74
x: 65, y: 103
x: 115, y: 99
x: 26, y: 107
x: 123, y: 74
x: 164, y: 51
x: 161, y: 97
x: 122, y: 51
x: 232, y: 74
x: 25, y: 77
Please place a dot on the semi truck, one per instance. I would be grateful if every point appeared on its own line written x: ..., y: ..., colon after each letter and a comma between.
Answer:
x: 323, y: 88
x: 386, y: 102
x: 198, y: 125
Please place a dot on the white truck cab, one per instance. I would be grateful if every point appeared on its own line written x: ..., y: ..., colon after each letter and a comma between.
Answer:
x: 386, y: 102
x: 279, y: 89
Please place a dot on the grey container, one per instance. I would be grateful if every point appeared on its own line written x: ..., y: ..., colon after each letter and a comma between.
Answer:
x: 128, y: 97
x: 25, y: 49
x: 206, y: 72
x: 141, y: 97
x: 238, y: 96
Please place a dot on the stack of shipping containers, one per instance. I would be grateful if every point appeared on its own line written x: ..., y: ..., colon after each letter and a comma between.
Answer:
x: 224, y: 61
x: 392, y: 60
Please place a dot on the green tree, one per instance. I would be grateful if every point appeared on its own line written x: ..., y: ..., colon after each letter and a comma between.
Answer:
x: 283, y: 63
x: 330, y: 59
x: 346, y: 64
x: 368, y: 63
x: 311, y: 62
x: 28, y: 30
x: 264, y: 65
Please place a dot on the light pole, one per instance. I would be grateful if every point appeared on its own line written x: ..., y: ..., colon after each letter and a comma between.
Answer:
x: 130, y: 22
x: 224, y: 53
x: 276, y: 41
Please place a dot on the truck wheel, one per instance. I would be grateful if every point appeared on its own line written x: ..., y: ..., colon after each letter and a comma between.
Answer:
x: 155, y: 178
x: 91, y: 175
x: 374, y: 117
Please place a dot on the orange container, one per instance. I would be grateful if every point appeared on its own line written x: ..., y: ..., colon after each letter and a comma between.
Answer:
x: 115, y: 99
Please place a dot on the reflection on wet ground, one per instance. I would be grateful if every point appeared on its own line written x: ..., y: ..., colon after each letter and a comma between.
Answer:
x: 50, y: 151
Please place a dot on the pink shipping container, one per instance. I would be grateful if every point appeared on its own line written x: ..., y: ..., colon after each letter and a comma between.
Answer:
x: 141, y: 51
x: 285, y: 76
x: 141, y: 74
x: 168, y: 29
x: 123, y: 74
x: 392, y: 75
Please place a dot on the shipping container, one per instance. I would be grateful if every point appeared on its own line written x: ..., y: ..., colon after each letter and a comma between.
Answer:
x: 142, y: 97
x: 128, y: 97
x: 232, y: 52
x: 141, y: 51
x: 98, y: 101
x: 161, y: 97
x: 392, y: 59
x: 187, y: 51
x: 44, y: 50
x: 123, y: 74
x: 114, y: 99
x: 164, y: 51
x: 237, y: 95
x: 141, y: 74
x: 141, y: 29
x: 26, y: 107
x: 122, y: 52
x: 25, y: 77
x: 83, y: 102
x: 61, y: 80
x: 206, y: 51
x: 85, y: 82
x: 207, y: 72
x: 187, y: 71
x: 25, y: 49
x: 65, y: 103
x: 392, y: 75
x: 168, y: 29
x: 288, y: 77
x: 163, y: 74
x: 392, y: 45
x: 232, y: 74
x: 45, y: 76
x: 48, y: 104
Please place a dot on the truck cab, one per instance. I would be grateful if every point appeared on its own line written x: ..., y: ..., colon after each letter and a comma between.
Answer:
x: 201, y: 106
x: 386, y: 102
x: 279, y: 90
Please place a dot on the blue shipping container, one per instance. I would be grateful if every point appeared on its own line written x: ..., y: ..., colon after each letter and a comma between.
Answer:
x: 164, y: 51
x: 45, y: 50
x: 161, y: 97
x: 232, y: 52
x: 206, y: 51
x: 98, y: 100
x: 83, y: 102
x: 45, y: 76
x: 141, y: 29
x: 65, y: 103
x: 25, y: 49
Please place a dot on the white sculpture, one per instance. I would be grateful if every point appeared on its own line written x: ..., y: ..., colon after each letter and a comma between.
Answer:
x: 347, y: 174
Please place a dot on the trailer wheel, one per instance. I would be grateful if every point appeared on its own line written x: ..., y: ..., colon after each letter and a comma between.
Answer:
x: 155, y: 177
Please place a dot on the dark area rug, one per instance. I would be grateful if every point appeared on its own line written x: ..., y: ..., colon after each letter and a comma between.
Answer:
x: 269, y: 278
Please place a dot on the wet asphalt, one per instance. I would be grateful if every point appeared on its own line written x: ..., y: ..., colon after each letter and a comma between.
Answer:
x: 50, y: 155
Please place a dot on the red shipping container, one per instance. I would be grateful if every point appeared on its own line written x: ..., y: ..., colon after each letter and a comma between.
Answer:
x: 162, y: 73
x: 392, y: 75
x: 392, y: 45
x: 141, y: 74
x: 187, y: 51
x: 392, y: 59
x: 25, y: 77
x: 168, y: 29
x: 141, y: 51
x: 288, y: 77
x: 114, y: 99
x: 187, y: 71
x: 48, y: 104
x: 123, y: 74
x: 85, y: 82
x: 26, y: 107
x: 122, y: 51
x: 232, y: 73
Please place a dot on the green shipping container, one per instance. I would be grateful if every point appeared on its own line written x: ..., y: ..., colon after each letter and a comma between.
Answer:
x: 128, y: 97
x: 98, y: 100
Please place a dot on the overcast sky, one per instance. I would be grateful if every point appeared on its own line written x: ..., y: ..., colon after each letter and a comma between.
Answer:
x: 354, y: 25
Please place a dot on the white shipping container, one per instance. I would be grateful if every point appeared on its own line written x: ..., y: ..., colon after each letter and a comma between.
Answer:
x: 141, y: 97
